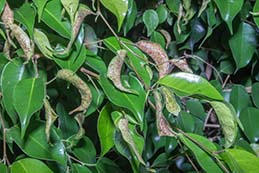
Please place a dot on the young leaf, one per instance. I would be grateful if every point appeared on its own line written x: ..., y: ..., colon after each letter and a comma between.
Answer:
x: 28, y: 98
x: 227, y: 120
x: 228, y: 10
x: 170, y: 102
x: 118, y: 7
x: 243, y: 44
x: 186, y: 84
x: 42, y: 41
x: 151, y: 20
x: 29, y: 165
x: 105, y: 129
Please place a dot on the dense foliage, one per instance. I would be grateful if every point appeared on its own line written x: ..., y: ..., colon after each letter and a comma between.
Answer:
x: 107, y: 86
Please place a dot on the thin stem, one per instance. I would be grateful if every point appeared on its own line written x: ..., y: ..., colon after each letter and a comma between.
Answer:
x: 5, y: 157
x: 88, y: 72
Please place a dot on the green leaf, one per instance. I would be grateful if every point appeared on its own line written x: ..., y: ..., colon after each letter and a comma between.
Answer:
x: 255, y: 91
x: 134, y: 103
x: 26, y: 15
x: 2, y: 4
x: 106, y: 165
x: 52, y: 17
x: 28, y: 98
x: 97, y: 99
x: 71, y: 7
x: 3, y: 168
x: 190, y: 84
x: 136, y: 59
x: 106, y: 129
x: 204, y: 160
x: 227, y: 120
x: 256, y: 10
x: 250, y: 119
x: 151, y: 21
x: 40, y: 4
x: 241, y: 161
x: 131, y: 16
x: 85, y: 151
x: 228, y: 10
x: 29, y: 165
x: 243, y: 44
x: 173, y: 5
x: 118, y: 7
x: 206, y: 143
x: 43, y: 43
x: 35, y: 144
x: 162, y: 13
x: 186, y: 122
x: 239, y: 98
x: 13, y: 72
x: 77, y: 168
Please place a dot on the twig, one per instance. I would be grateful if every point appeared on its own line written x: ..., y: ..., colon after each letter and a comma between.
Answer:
x: 5, y: 157
x: 88, y: 72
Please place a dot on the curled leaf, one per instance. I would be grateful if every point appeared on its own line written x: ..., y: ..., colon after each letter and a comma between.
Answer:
x: 50, y: 116
x: 162, y: 124
x: 171, y: 105
x: 42, y: 41
x: 158, y: 54
x: 7, y: 16
x: 167, y: 37
x: 114, y: 71
x: 23, y: 40
x: 84, y: 90
x: 123, y: 125
x: 227, y: 120
x: 182, y: 65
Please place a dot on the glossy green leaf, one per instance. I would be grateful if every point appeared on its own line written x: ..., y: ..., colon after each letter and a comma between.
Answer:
x: 97, y: 99
x: 186, y: 122
x: 249, y: 118
x: 228, y: 10
x: 173, y: 5
x: 134, y: 103
x: 190, y: 84
x: 239, y: 98
x: 106, y: 165
x: 40, y: 4
x: 77, y: 168
x: 241, y: 161
x: 162, y: 13
x: 135, y: 57
x: 13, y: 72
x: 85, y: 150
x: 28, y: 98
x: 206, y: 143
x: 204, y: 160
x: 158, y: 38
x: 105, y: 129
x: 43, y: 43
x: 243, y: 44
x: 2, y: 4
x: 151, y: 21
x: 255, y: 91
x: 35, y: 144
x: 227, y: 120
x: 26, y: 15
x: 29, y: 165
x: 196, y: 108
x: 256, y: 10
x: 52, y: 17
x: 118, y: 7
x: 131, y: 16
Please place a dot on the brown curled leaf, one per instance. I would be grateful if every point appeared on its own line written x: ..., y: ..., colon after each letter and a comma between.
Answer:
x: 182, y: 65
x: 84, y: 90
x: 7, y: 16
x: 167, y: 37
x: 162, y: 124
x: 23, y: 40
x: 171, y: 105
x: 80, y: 118
x: 114, y: 71
x: 158, y: 54
x: 123, y: 125
x: 50, y: 116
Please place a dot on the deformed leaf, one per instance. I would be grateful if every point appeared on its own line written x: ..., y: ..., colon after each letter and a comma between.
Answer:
x: 118, y: 7
x: 227, y: 120
x: 114, y: 71
x: 84, y: 90
x: 158, y: 55
x: 182, y: 65
x: 170, y: 102
x: 42, y: 41
x: 7, y: 16
x: 50, y: 116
